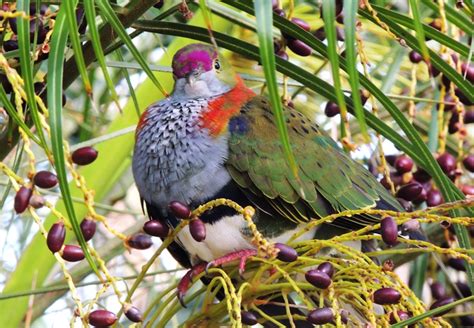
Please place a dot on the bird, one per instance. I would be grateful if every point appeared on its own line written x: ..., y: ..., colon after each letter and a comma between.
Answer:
x: 214, y: 137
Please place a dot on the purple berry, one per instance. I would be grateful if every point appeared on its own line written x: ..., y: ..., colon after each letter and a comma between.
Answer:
x: 84, y: 155
x: 410, y: 191
x: 389, y: 229
x: 468, y: 162
x: 437, y: 290
x: 327, y: 268
x: 45, y: 179
x: 248, y: 318
x: 434, y: 198
x: 88, y: 228
x: 442, y: 302
x: 331, y: 109
x: 415, y: 57
x: 318, y: 278
x: 386, y: 295
x: 139, y: 241
x: 133, y: 314
x: 72, y: 253
x: 301, y: 23
x: 403, y: 164
x: 197, y: 229
x: 286, y: 253
x: 22, y: 199
x: 447, y: 162
x: 156, y: 228
x: 299, y: 47
x: 56, y: 237
x: 102, y: 318
x: 180, y: 210
x: 320, y: 316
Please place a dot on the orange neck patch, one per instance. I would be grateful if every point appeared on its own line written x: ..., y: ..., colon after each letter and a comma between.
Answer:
x: 222, y: 109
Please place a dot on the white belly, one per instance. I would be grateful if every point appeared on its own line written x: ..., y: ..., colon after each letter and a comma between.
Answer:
x: 225, y: 236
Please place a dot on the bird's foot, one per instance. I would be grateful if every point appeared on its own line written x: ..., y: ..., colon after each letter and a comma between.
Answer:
x: 186, y: 281
x: 241, y: 255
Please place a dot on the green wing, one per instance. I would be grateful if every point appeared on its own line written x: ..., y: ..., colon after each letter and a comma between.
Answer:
x: 330, y: 181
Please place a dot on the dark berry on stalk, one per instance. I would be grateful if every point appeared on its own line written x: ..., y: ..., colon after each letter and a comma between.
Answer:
x: 13, y: 26
x: 248, y: 318
x: 457, y: 264
x: 331, y: 109
x: 435, y: 198
x: 463, y: 98
x: 437, y: 290
x: 279, y: 12
x: 421, y: 176
x: 72, y: 253
x: 301, y: 23
x: 410, y: 191
x: 37, y: 201
x: 449, y: 103
x: 386, y: 295
x: 327, y: 268
x: 317, y: 278
x: 389, y: 230
x: 321, y: 316
x: 415, y: 57
x: 299, y: 47
x: 159, y: 4
x: 56, y: 236
x: 45, y: 179
x: 180, y: 210
x: 403, y: 164
x: 468, y: 70
x: 344, y: 316
x: 84, y: 155
x: 447, y: 162
x: 42, y: 9
x: 88, y: 228
x: 22, y: 199
x: 156, y: 228
x: 453, y: 125
x: 197, y: 228
x: 283, y: 55
x: 320, y: 33
x: 275, y: 4
x: 10, y: 45
x: 133, y: 314
x: 391, y: 159
x: 442, y: 302
x: 433, y: 70
x: 468, y: 162
x: 6, y: 84
x: 464, y: 289
x: 139, y: 241
x: 402, y: 315
x: 102, y: 318
x: 286, y: 253
x: 421, y: 197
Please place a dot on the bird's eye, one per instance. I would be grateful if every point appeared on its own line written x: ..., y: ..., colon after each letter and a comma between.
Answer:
x: 217, y: 65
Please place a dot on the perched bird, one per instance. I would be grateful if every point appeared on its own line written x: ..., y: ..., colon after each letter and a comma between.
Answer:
x: 215, y: 138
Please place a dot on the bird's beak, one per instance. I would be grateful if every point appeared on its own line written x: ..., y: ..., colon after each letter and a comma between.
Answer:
x: 191, y: 78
